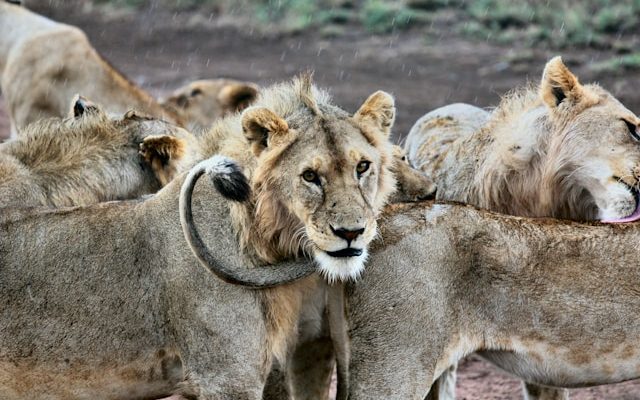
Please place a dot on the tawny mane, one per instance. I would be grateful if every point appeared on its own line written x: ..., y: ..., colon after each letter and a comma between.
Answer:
x: 267, y: 229
x: 524, y: 171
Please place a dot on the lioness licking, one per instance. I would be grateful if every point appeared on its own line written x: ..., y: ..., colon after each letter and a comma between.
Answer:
x: 561, y: 149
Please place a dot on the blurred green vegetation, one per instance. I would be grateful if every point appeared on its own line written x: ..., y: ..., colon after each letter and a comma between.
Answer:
x: 550, y: 23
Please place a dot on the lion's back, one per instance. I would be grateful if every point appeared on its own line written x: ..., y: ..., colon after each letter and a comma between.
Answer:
x: 433, y: 135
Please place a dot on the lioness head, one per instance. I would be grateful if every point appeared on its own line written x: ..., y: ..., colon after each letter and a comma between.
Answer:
x: 321, y: 178
x: 201, y: 102
x: 150, y: 151
x: 595, y: 146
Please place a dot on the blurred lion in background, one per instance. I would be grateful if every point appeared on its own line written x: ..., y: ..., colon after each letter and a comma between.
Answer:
x: 43, y: 64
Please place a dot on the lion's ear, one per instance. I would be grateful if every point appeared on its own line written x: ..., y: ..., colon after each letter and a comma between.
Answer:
x: 261, y: 126
x: 237, y: 96
x: 559, y: 84
x: 378, y: 110
x: 81, y: 105
x: 163, y: 153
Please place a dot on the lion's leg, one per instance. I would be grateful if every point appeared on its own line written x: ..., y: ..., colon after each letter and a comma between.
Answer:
x: 310, y: 369
x: 444, y: 388
x: 277, y: 387
x: 537, y: 392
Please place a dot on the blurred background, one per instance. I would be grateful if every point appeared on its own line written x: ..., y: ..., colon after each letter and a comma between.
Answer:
x: 428, y: 53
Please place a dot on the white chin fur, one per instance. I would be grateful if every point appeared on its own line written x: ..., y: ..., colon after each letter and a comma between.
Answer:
x: 340, y: 268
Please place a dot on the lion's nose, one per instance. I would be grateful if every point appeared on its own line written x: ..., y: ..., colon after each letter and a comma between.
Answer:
x: 347, y: 234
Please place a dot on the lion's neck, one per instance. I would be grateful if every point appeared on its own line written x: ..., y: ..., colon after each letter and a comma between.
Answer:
x: 268, y: 232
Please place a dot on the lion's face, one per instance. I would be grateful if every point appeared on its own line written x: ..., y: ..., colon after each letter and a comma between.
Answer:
x: 598, y: 146
x: 150, y: 151
x: 328, y: 175
x: 201, y: 102
x: 608, y: 162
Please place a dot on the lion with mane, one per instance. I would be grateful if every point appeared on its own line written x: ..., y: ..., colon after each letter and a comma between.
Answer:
x: 561, y: 149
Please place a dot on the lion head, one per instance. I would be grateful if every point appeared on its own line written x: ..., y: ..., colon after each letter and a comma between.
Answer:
x: 92, y: 157
x: 321, y: 175
x: 578, y: 152
x: 201, y: 102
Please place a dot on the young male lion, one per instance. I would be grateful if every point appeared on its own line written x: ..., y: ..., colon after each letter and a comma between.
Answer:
x: 562, y: 149
x: 319, y: 175
x: 90, y: 157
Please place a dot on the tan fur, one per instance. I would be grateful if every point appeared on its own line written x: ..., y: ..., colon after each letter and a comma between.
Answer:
x: 411, y: 184
x: 202, y: 102
x: 44, y: 63
x: 552, y: 302
x: 561, y: 149
x: 290, y: 128
x: 89, y: 159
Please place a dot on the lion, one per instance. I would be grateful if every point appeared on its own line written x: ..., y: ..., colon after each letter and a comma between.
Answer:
x: 561, y: 149
x: 43, y: 63
x: 506, y: 281
x: 202, y: 102
x: 108, y: 302
x: 346, y: 179
x: 90, y: 157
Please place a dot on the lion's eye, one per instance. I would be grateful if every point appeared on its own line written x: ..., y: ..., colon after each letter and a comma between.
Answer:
x: 362, y: 167
x: 195, y: 92
x: 311, y: 176
x: 633, y: 130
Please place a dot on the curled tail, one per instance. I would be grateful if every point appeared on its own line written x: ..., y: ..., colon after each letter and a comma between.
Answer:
x: 227, y: 177
x: 231, y: 183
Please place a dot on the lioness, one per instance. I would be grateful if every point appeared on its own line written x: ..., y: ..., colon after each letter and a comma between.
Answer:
x: 562, y: 149
x: 43, y: 64
x: 108, y: 302
x: 90, y: 158
x: 446, y: 280
x: 202, y: 102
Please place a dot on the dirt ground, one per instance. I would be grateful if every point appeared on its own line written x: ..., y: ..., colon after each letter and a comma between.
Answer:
x: 161, y: 50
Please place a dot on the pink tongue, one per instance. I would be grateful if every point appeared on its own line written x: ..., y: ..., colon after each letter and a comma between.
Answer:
x: 633, y: 217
